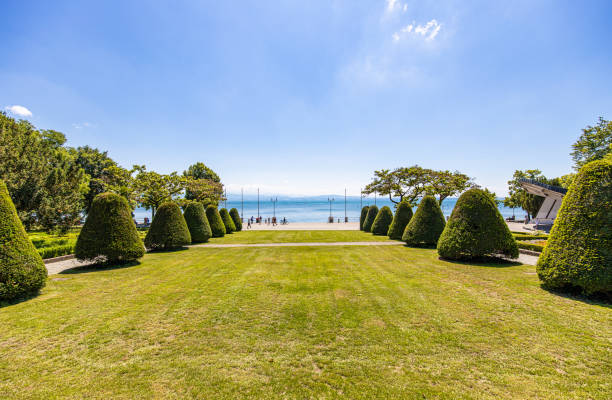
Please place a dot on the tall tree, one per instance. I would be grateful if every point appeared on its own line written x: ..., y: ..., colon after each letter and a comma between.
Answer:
x: 406, y: 183
x: 203, y: 185
x: 443, y: 184
x: 594, y: 143
x: 152, y: 189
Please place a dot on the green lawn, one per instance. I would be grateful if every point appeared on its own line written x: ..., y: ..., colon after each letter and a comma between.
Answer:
x: 297, y: 237
x: 304, y: 322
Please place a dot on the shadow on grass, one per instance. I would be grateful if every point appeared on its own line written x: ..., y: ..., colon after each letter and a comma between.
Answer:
x: 487, y: 261
x: 24, y: 298
x: 98, y: 267
x: 576, y: 294
x: 174, y: 250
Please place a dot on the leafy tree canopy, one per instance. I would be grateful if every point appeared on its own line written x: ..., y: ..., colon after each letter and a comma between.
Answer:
x: 595, y: 143
x: 153, y: 189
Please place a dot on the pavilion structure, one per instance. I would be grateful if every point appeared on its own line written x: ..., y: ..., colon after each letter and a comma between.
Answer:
x: 553, y: 196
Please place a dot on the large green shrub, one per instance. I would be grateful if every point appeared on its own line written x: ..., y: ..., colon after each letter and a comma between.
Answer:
x: 369, y: 221
x: 382, y: 221
x: 227, y: 221
x: 168, y: 229
x: 403, y: 214
x: 109, y: 234
x: 427, y: 224
x: 195, y: 217
x: 476, y: 229
x: 362, y: 217
x: 216, y: 223
x: 22, y: 271
x: 236, y: 218
x: 579, y: 249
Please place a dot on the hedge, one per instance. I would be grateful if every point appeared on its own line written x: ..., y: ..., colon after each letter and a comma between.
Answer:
x: 168, y: 229
x: 579, y: 249
x: 362, y: 217
x: 427, y: 224
x: 530, y: 246
x: 476, y: 229
x: 369, y: 221
x: 227, y: 221
x: 382, y: 221
x: 22, y: 271
x: 197, y: 223
x: 56, y: 251
x: 236, y: 218
x: 109, y: 233
x: 216, y: 223
x: 402, y: 217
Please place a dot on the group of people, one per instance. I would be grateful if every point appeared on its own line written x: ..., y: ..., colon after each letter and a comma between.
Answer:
x: 268, y: 221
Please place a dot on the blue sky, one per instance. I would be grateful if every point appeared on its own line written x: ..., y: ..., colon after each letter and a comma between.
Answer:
x: 310, y: 97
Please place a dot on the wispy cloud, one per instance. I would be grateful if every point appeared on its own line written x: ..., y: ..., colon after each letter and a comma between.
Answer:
x: 82, y: 125
x: 20, y: 111
x: 429, y: 31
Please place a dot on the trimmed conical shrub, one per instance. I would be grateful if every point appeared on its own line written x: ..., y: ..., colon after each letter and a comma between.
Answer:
x: 236, y: 218
x: 22, y: 271
x: 382, y: 221
x: 369, y: 221
x: 476, y: 229
x: 109, y: 234
x: 216, y: 223
x: 427, y: 224
x: 403, y: 214
x: 197, y: 223
x: 168, y: 229
x: 227, y: 221
x: 362, y: 217
x: 579, y: 249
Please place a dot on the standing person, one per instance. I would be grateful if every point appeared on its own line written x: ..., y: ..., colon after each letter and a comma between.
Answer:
x: 248, y: 224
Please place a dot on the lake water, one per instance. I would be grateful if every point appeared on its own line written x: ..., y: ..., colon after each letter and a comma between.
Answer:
x: 317, y: 209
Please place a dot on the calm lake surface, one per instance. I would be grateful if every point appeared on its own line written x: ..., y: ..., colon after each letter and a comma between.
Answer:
x: 305, y: 209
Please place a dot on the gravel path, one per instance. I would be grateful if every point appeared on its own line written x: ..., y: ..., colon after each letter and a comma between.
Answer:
x: 57, y: 267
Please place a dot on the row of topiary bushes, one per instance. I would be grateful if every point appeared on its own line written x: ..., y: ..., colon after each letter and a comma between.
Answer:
x: 475, y: 227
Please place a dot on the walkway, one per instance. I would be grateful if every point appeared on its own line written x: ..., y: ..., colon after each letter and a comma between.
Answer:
x: 57, y: 267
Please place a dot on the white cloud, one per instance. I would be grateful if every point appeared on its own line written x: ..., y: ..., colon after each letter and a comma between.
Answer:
x: 391, y: 5
x: 20, y: 111
x: 429, y: 31
x: 82, y: 125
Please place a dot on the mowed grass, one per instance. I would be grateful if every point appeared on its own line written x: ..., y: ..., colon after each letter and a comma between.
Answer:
x: 304, y: 322
x: 256, y: 236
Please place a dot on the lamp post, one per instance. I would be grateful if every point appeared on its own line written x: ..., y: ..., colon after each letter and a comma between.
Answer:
x: 241, y: 204
x: 330, y: 200
x: 257, y: 203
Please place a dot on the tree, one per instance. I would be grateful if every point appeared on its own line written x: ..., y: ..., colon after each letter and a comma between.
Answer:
x: 236, y: 218
x: 216, y: 223
x: 402, y: 217
x: 44, y: 180
x: 518, y: 197
x: 22, y: 271
x: 381, y: 223
x: 168, y: 229
x: 369, y: 221
x: 444, y: 184
x: 109, y: 234
x: 476, y: 229
x: 579, y: 249
x: 153, y: 189
x: 203, y: 185
x: 104, y: 175
x: 362, y: 217
x: 427, y: 224
x: 195, y: 217
x: 594, y: 143
x: 205, y: 191
x: 406, y: 183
